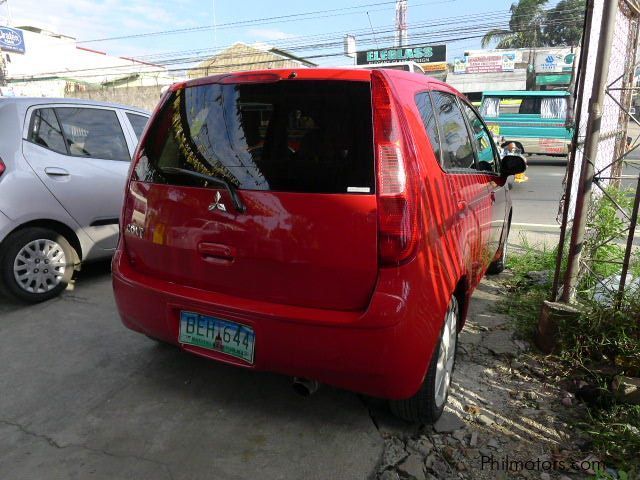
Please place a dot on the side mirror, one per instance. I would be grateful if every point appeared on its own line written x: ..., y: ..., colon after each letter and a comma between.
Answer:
x: 512, y: 165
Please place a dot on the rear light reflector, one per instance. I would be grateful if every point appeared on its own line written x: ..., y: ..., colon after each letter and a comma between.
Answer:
x: 398, y: 230
x: 392, y: 177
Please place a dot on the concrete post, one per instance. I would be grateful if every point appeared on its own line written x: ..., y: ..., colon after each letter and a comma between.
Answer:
x: 596, y: 103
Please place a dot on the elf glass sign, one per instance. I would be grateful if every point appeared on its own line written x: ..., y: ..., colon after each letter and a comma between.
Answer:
x: 11, y: 40
x: 426, y: 54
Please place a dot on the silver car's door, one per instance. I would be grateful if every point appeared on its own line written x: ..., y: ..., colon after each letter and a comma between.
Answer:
x: 82, y: 156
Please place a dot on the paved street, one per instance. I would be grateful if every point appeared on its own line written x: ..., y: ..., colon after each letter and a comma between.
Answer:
x: 535, y: 202
x: 83, y: 397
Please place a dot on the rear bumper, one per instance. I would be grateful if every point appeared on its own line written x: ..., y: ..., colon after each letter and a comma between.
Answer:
x: 382, y: 352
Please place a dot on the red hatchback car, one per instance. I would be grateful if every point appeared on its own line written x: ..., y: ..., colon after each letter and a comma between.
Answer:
x: 321, y: 223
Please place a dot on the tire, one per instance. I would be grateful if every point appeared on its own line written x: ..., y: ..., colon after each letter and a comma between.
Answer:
x: 498, y: 266
x: 427, y: 405
x: 35, y: 281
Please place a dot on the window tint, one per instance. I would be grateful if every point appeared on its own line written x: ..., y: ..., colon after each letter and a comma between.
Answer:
x: 138, y: 122
x: 300, y: 136
x: 45, y: 130
x: 425, y: 107
x: 457, y: 151
x: 487, y: 159
x: 92, y: 132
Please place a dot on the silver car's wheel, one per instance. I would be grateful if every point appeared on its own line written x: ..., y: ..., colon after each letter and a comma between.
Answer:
x: 39, y: 266
x: 446, y: 354
x: 36, y: 264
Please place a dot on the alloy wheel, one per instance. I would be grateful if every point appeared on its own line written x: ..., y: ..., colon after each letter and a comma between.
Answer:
x: 39, y: 266
x: 446, y: 354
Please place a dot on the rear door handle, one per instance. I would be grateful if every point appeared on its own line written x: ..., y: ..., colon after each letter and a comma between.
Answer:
x: 56, y: 172
x: 217, y: 253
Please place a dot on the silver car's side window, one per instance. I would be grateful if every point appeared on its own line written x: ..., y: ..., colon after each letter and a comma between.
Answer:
x: 93, y: 132
x: 138, y: 122
x: 44, y: 130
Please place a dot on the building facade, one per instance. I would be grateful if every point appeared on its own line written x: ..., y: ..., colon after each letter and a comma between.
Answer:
x: 52, y: 65
x: 242, y: 57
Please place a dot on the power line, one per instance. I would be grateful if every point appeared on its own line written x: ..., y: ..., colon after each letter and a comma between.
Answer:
x: 184, y: 60
x: 257, y: 21
x: 326, y: 41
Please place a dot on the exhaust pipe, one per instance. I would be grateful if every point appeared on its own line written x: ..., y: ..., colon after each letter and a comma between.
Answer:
x: 305, y: 387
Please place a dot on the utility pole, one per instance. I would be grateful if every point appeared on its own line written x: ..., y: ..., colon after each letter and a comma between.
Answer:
x: 6, y: 20
x: 592, y: 139
x: 402, y: 36
x: 215, y: 27
x: 555, y: 312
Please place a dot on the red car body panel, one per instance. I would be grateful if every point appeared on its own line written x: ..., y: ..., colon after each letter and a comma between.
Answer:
x: 320, y: 304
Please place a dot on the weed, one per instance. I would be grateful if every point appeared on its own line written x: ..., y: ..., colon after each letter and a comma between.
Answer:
x: 600, y: 343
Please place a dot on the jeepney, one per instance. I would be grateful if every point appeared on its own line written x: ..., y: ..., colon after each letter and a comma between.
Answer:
x: 537, y: 121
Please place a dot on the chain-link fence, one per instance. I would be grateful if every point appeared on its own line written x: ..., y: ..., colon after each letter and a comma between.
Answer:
x: 600, y: 206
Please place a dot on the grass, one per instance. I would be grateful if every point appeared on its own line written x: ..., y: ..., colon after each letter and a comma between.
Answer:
x: 602, y: 342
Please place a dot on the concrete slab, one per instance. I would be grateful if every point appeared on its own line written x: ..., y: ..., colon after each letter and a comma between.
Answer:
x: 83, y: 397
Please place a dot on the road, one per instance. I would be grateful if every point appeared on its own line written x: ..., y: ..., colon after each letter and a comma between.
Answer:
x: 535, y: 202
x: 83, y: 397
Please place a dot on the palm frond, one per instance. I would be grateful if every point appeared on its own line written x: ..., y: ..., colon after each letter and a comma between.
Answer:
x: 495, y: 35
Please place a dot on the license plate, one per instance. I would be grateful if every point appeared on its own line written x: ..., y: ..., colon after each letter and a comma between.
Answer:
x: 215, y: 334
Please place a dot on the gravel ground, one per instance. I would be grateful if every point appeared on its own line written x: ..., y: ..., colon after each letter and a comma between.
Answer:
x: 504, y: 418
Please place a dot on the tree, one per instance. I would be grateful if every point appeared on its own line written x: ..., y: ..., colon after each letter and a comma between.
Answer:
x: 531, y: 25
x: 565, y: 23
x: 525, y: 26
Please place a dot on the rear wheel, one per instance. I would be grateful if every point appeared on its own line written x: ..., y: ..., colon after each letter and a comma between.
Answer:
x: 36, y: 265
x: 427, y: 405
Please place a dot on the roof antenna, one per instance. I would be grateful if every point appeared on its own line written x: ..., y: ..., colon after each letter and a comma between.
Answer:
x: 374, y: 33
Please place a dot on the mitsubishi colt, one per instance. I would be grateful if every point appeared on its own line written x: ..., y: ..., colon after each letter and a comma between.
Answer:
x: 326, y: 224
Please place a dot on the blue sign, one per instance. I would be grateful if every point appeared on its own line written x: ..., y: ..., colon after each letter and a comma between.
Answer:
x: 11, y: 40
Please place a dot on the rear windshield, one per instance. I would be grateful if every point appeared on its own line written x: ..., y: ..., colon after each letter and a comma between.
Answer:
x: 296, y: 136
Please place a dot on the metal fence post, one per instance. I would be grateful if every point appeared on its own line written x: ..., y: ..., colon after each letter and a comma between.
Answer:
x: 596, y: 103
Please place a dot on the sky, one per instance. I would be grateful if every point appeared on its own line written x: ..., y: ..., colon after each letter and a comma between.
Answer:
x: 318, y: 33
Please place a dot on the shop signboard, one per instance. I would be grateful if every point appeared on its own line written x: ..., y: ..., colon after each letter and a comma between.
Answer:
x: 422, y: 54
x: 11, y: 40
x: 555, y: 62
x: 434, y: 66
x: 487, y: 63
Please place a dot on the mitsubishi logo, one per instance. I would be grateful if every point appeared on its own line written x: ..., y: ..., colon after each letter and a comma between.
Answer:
x: 217, y: 204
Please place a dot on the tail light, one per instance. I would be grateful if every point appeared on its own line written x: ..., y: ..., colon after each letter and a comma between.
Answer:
x: 398, y: 230
x: 3, y: 167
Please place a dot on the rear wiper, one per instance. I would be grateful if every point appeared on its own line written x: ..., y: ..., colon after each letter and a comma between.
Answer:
x: 208, y: 178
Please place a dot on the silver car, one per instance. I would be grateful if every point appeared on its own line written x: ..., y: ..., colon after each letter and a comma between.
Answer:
x: 63, y: 168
